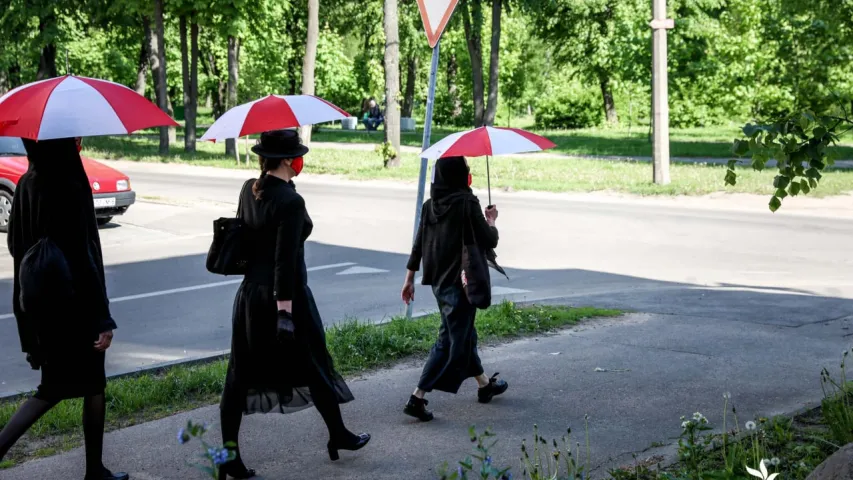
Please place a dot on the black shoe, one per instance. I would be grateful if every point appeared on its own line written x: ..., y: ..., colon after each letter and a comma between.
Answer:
x: 357, y: 442
x: 235, y: 469
x: 416, y: 407
x: 493, y: 389
x: 108, y: 475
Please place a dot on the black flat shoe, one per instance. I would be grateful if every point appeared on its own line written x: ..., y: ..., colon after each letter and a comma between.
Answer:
x: 416, y: 407
x: 108, y: 475
x: 493, y: 389
x: 357, y: 443
x: 235, y: 469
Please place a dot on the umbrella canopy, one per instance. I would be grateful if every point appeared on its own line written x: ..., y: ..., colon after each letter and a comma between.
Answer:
x: 72, y: 106
x: 487, y: 141
x: 274, y: 112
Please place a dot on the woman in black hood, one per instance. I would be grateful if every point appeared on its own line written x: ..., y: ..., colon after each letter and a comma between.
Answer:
x: 445, y: 216
x: 64, y: 332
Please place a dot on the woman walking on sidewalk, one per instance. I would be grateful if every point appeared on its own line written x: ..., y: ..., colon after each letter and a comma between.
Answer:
x: 279, y: 361
x: 453, y: 359
x: 60, y: 298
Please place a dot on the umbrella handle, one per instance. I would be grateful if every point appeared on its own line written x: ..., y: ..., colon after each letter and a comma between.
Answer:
x: 489, y: 180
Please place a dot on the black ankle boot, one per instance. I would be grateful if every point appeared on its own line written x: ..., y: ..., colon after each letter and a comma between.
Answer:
x: 493, y: 389
x: 235, y: 469
x: 107, y: 475
x: 352, y: 443
x: 416, y: 407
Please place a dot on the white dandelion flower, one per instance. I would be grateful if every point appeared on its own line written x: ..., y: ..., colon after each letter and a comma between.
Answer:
x: 685, y: 423
x: 750, y: 425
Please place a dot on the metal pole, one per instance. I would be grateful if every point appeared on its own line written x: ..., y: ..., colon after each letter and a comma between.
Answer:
x: 660, y: 101
x: 427, y: 134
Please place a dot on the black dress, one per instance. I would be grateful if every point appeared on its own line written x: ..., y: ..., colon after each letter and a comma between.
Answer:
x: 271, y: 376
x: 54, y: 199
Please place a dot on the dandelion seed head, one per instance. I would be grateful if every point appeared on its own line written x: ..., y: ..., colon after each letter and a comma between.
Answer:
x: 750, y: 425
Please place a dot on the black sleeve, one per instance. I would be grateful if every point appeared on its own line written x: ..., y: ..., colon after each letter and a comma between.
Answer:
x: 288, y: 238
x: 414, y: 263
x: 486, y: 235
x: 26, y: 329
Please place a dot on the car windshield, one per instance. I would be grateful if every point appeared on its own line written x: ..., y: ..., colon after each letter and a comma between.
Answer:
x: 12, y: 146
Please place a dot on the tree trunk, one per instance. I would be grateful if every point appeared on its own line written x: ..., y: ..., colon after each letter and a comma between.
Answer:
x: 310, y: 59
x: 411, y: 79
x: 144, y: 57
x: 4, y: 81
x: 192, y: 116
x: 609, y: 104
x: 494, y: 59
x: 453, y: 86
x: 158, y: 68
x: 233, y: 74
x: 392, y: 81
x: 47, y: 60
x: 472, y: 20
x: 218, y: 95
x: 189, y: 106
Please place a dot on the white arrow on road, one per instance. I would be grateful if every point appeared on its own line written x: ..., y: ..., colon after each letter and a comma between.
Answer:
x: 361, y: 271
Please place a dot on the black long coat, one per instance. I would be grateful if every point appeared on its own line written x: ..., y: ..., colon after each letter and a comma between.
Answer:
x: 54, y: 199
x: 276, y: 377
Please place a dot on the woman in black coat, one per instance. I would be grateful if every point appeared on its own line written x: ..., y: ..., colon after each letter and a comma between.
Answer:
x: 449, y: 212
x: 279, y: 360
x: 64, y: 335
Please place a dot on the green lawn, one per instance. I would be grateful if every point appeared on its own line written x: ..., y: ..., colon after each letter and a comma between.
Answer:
x: 519, y: 173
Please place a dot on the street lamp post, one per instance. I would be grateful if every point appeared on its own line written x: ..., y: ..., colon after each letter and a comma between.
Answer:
x: 660, y: 101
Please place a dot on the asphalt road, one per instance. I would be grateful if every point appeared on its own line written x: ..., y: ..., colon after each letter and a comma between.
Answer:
x: 623, y: 253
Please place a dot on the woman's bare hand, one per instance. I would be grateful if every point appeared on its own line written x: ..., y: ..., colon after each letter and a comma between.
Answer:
x: 491, y: 214
x: 286, y: 305
x: 104, y: 341
x: 408, y: 293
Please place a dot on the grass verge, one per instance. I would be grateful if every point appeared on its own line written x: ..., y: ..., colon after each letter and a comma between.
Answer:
x: 357, y: 347
x: 517, y: 173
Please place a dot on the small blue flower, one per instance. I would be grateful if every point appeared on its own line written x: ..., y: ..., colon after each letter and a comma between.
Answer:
x: 183, y: 437
x: 460, y: 472
x: 212, y: 452
x: 221, y: 457
x: 488, y: 461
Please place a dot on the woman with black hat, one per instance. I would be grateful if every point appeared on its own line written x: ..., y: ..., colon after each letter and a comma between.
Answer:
x: 60, y: 298
x: 279, y: 361
x: 451, y: 210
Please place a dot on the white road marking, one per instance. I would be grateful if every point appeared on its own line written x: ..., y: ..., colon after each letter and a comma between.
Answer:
x: 507, y: 291
x: 361, y: 270
x: 195, y: 287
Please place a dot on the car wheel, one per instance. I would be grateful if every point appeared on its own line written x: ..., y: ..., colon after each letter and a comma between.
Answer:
x: 104, y: 220
x: 5, y: 209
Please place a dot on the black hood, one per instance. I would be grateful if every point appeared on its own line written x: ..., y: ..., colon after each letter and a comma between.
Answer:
x: 449, y: 187
x: 56, y: 160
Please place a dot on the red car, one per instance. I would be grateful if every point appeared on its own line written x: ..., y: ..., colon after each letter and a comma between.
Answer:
x: 110, y: 188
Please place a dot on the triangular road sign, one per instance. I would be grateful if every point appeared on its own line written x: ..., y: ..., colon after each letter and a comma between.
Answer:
x: 436, y: 14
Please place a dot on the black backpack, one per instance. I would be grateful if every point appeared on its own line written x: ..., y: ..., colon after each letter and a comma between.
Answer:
x: 44, y: 276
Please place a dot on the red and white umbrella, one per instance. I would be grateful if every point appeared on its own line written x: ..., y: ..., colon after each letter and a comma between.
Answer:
x: 487, y: 142
x: 273, y: 112
x: 72, y: 106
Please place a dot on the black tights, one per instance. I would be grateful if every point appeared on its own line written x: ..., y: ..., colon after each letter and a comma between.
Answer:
x: 231, y: 415
x: 94, y: 412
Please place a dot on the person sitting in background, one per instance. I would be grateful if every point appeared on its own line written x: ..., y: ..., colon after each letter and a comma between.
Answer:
x: 373, y: 117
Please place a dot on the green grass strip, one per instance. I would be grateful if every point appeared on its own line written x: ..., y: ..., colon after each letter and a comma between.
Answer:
x: 356, y: 346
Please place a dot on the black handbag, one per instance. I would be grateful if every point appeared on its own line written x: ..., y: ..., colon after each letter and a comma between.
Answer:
x: 229, y: 251
x: 476, y: 280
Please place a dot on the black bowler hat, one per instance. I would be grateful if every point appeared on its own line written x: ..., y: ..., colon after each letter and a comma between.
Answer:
x: 280, y: 144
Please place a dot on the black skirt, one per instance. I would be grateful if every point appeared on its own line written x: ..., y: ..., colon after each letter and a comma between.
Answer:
x: 72, y: 368
x: 275, y: 377
x: 454, y: 357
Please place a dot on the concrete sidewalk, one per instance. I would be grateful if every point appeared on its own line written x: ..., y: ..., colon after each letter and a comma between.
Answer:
x: 765, y: 348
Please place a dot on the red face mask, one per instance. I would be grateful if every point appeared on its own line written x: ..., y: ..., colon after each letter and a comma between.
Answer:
x: 297, y: 165
x: 470, y: 179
